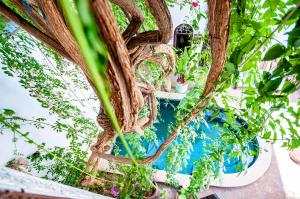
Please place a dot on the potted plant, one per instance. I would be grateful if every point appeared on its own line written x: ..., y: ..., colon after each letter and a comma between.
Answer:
x: 136, y: 182
x: 183, y: 61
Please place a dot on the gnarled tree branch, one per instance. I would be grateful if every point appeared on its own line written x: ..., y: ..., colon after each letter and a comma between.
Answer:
x: 160, y: 12
x: 62, y: 33
x: 135, y: 16
x: 123, y: 84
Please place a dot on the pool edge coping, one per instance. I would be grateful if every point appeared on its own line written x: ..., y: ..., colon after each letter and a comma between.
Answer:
x: 246, y: 177
x: 253, y: 173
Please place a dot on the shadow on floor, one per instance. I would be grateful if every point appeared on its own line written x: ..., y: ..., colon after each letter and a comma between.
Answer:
x: 269, y: 186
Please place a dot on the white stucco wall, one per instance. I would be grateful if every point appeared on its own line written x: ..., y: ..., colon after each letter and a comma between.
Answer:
x: 14, y: 96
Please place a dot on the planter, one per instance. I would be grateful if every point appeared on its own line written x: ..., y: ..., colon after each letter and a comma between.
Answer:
x: 295, y: 155
x: 155, y: 193
x: 181, y: 87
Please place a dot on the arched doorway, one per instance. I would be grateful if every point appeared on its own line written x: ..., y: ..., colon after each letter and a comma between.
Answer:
x: 182, y: 36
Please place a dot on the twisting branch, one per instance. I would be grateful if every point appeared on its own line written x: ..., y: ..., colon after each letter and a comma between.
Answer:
x: 150, y: 53
x: 135, y: 16
x: 218, y: 28
x: 62, y: 33
x: 160, y: 12
x: 123, y: 84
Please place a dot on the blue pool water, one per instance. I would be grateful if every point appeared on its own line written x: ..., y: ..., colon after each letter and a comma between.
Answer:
x: 213, y: 130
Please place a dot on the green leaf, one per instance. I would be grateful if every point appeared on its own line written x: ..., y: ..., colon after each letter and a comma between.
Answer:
x: 272, y: 85
x: 288, y: 87
x: 274, y: 136
x: 274, y: 52
x: 297, y: 43
x: 293, y: 36
x: 25, y: 134
x: 241, y: 6
x: 245, y: 40
x: 237, y: 56
x: 285, y: 64
x: 277, y: 72
x: 230, y: 67
x: 9, y: 73
x: 8, y: 112
x: 296, y: 1
x: 295, y: 70
x: 247, y: 66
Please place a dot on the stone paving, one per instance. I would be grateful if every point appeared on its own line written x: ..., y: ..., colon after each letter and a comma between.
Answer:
x: 269, y: 186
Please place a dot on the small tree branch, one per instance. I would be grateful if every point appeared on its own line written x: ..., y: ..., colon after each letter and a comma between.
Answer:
x: 161, y: 13
x: 10, y: 14
x: 135, y: 16
x: 34, y: 16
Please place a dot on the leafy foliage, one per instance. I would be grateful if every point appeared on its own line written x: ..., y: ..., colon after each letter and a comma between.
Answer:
x: 50, y: 84
x: 274, y: 52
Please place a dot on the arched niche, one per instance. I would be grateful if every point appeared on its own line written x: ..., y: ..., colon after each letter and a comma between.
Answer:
x: 182, y: 36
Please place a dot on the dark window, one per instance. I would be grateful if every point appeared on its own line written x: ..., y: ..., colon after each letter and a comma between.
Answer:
x: 182, y: 36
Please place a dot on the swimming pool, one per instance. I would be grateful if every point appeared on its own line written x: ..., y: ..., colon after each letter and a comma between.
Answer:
x: 213, y: 130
